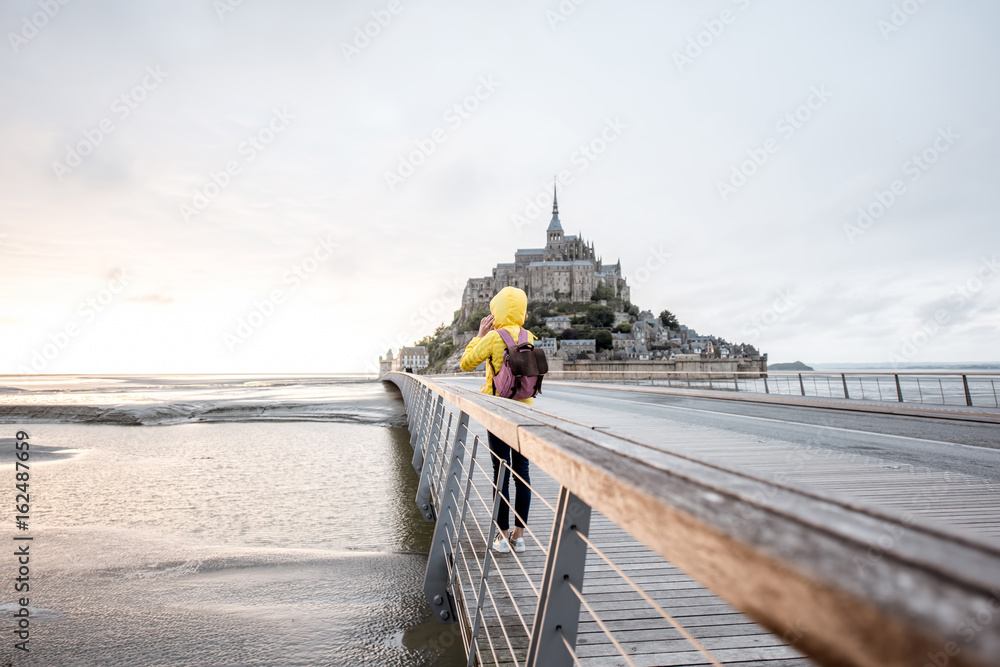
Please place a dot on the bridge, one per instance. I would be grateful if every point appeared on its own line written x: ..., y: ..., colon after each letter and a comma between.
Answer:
x: 685, y: 526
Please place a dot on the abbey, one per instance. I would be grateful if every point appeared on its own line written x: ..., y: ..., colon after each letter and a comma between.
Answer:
x: 566, y: 269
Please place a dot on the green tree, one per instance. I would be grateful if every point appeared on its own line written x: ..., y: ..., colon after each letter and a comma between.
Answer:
x: 472, y: 324
x: 600, y: 316
x: 603, y: 339
x: 623, y: 327
x: 540, y: 309
x: 542, y: 332
x: 669, y: 320
x: 602, y: 293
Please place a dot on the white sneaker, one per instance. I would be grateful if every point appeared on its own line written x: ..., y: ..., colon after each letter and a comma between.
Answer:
x: 519, y: 545
x: 501, y: 545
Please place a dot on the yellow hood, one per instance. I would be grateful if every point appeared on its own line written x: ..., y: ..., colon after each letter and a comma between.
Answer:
x: 509, y: 307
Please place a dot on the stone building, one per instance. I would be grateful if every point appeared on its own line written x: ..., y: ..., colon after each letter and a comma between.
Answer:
x: 413, y: 357
x: 566, y: 269
x: 387, y: 364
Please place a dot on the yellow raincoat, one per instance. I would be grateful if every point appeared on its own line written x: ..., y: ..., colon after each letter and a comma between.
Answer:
x: 509, y: 308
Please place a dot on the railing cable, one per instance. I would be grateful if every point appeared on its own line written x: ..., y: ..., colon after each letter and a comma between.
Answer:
x: 599, y: 622
x: 663, y: 612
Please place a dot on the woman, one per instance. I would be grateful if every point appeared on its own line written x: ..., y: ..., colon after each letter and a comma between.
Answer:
x: 507, y: 311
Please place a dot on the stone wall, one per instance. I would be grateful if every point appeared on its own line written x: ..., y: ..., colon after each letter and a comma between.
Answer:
x: 701, y: 369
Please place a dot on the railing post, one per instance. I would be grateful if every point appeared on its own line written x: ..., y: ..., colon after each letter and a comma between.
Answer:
x: 558, y: 610
x: 802, y: 386
x: 843, y: 378
x: 968, y: 394
x: 766, y: 389
x: 441, y: 558
x: 424, y: 502
x: 899, y: 389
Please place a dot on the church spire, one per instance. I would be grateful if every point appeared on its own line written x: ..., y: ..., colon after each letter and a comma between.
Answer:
x: 554, y: 224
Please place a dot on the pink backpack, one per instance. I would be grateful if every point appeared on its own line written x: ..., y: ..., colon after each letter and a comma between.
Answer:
x: 520, y: 375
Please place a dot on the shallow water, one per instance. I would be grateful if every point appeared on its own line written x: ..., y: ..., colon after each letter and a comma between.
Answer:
x: 180, y: 399
x: 258, y: 543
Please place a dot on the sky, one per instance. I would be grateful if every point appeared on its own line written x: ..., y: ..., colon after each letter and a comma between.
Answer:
x: 249, y: 186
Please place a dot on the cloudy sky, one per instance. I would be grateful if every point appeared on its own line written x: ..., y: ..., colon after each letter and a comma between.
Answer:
x: 241, y: 185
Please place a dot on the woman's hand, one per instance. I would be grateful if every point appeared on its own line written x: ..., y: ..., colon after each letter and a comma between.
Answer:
x: 485, y: 325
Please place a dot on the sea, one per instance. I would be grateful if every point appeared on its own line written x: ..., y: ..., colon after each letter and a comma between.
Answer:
x: 215, y: 520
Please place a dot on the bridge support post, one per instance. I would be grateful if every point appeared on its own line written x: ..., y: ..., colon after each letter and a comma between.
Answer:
x: 427, y: 423
x: 968, y: 394
x: 440, y: 561
x: 502, y: 478
x: 423, y: 455
x: 802, y: 385
x: 419, y: 418
x: 899, y: 388
x: 558, y: 612
x: 843, y: 378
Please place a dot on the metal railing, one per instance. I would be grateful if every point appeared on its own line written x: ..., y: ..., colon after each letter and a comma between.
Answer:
x: 785, y: 557
x: 978, y: 389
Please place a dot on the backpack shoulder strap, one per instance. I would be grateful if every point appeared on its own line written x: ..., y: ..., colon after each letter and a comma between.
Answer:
x: 507, y: 338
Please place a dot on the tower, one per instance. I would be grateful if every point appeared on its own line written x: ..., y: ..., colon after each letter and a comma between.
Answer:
x: 554, y: 234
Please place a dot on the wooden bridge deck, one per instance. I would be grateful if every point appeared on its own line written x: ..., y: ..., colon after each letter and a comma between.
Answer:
x: 961, y: 502
x: 942, y: 498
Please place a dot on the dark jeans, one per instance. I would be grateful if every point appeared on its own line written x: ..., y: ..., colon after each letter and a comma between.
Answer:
x: 518, y: 464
